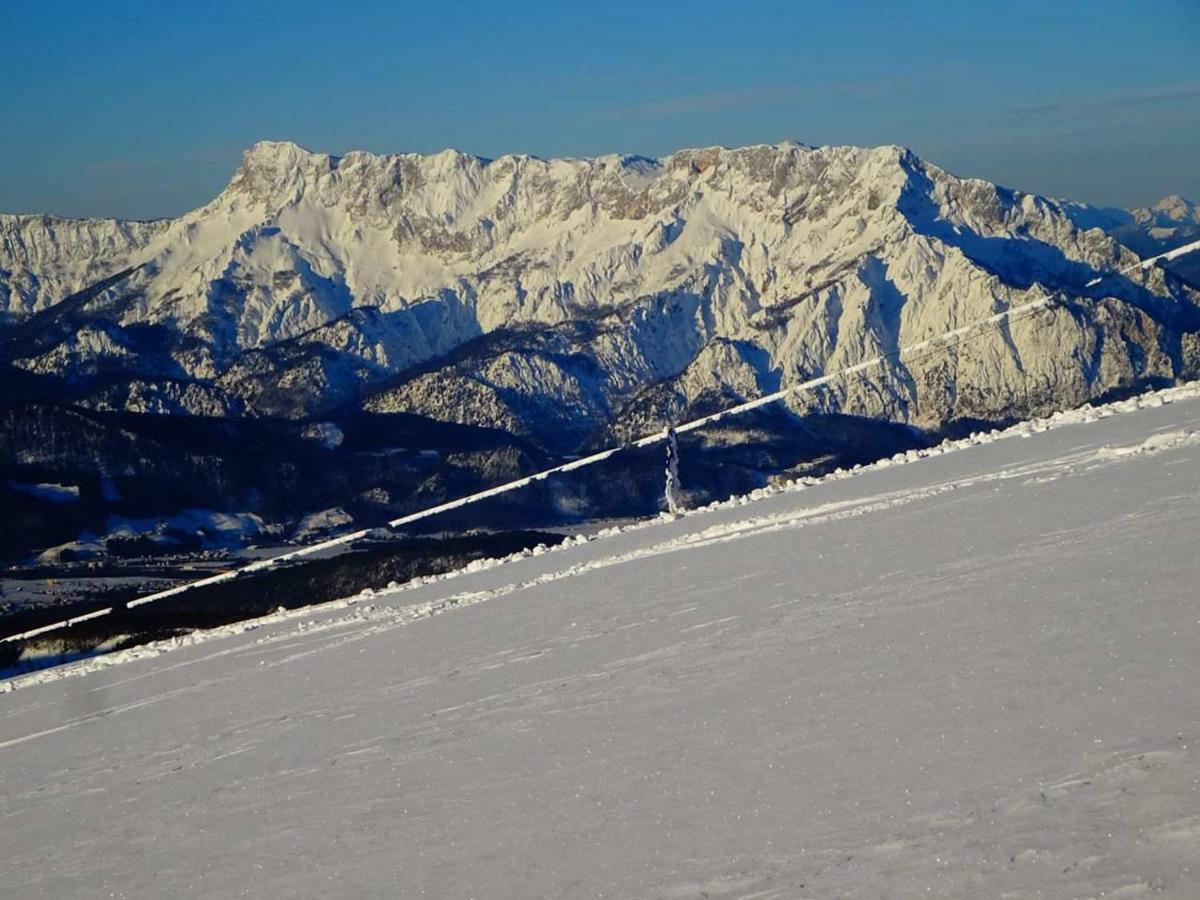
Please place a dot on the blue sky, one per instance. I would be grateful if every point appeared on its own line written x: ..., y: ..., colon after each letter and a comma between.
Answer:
x: 140, y: 109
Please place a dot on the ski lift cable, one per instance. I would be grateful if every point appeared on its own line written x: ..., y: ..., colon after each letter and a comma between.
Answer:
x: 935, y: 344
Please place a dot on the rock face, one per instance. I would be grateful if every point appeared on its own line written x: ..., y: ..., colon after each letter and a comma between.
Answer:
x: 568, y: 302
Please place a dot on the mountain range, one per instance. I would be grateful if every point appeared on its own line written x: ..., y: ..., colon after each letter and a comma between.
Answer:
x: 373, y: 333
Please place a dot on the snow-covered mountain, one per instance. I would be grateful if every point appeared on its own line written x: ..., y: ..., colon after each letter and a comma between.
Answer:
x: 543, y: 295
x: 557, y: 303
x: 1149, y: 230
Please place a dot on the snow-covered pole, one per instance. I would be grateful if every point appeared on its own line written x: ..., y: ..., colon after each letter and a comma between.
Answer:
x: 674, y: 502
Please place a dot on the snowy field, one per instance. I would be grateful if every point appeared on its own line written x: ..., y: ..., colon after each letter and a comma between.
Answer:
x: 971, y: 675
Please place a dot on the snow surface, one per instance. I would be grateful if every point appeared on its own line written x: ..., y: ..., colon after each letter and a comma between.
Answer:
x: 955, y: 674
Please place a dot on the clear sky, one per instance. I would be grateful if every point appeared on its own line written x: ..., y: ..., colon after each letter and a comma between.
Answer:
x: 140, y: 109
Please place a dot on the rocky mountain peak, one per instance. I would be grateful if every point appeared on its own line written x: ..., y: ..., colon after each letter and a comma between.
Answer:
x: 1177, y: 210
x: 278, y: 171
x: 792, y: 259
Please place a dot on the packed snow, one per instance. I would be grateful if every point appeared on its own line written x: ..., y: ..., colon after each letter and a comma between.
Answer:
x: 967, y: 671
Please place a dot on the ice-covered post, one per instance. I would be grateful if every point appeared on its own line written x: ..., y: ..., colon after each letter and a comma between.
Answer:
x: 674, y: 501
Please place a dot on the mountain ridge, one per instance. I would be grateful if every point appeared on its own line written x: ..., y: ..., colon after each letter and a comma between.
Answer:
x: 449, y: 247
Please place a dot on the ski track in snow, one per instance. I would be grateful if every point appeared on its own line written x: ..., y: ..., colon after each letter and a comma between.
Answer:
x: 948, y: 674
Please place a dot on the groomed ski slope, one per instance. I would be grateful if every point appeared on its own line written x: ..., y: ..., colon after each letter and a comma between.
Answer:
x: 970, y: 675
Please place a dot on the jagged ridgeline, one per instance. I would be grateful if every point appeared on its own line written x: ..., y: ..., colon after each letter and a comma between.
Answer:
x: 377, y: 333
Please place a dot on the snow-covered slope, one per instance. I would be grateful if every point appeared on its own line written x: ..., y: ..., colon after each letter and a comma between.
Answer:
x: 538, y: 295
x: 967, y: 675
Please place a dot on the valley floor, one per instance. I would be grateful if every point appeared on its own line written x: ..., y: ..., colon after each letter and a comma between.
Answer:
x: 973, y: 675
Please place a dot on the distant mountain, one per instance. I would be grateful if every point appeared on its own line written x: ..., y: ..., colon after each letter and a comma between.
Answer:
x: 1169, y: 212
x: 1171, y: 222
x: 570, y: 302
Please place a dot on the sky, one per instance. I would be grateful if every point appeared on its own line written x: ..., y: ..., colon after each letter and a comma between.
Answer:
x: 141, y: 110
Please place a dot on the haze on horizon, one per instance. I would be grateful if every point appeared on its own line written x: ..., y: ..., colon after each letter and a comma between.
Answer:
x: 135, y: 113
